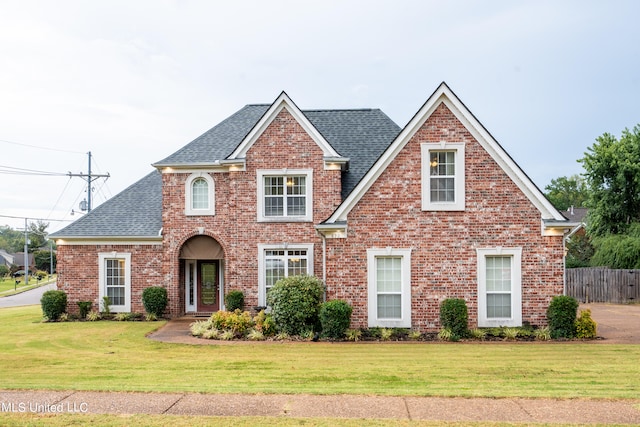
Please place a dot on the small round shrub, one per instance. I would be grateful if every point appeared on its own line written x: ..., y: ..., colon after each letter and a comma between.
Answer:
x: 295, y: 302
x: 561, y: 314
x: 54, y: 303
x: 455, y: 317
x: 85, y: 308
x: 234, y: 300
x: 335, y: 318
x: 585, y: 325
x: 154, y: 300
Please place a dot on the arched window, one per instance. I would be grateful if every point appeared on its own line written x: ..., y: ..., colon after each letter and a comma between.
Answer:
x: 199, y: 195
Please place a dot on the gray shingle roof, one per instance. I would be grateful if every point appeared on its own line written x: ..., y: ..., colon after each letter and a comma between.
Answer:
x: 361, y: 135
x: 134, y: 212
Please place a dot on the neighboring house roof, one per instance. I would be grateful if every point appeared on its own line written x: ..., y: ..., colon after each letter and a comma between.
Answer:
x: 358, y: 135
x: 18, y: 259
x: 5, y: 258
x: 136, y: 212
x: 576, y: 214
x: 443, y: 94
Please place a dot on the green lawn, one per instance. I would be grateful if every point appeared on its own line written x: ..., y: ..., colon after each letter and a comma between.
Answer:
x: 117, y: 356
x: 8, y: 285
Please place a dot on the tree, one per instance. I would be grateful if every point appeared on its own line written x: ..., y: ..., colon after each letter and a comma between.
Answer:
x: 565, y: 192
x: 579, y: 251
x: 37, y: 235
x: 43, y: 260
x: 612, y: 172
x: 618, y: 250
x: 11, y: 240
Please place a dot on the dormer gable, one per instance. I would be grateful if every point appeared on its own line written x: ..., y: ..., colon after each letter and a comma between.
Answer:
x: 332, y: 159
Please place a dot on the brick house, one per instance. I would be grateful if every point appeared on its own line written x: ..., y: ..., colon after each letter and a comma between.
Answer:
x: 393, y: 220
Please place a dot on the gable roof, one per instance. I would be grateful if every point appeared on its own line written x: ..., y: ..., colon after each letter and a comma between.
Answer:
x: 136, y: 212
x: 443, y: 94
x: 360, y: 135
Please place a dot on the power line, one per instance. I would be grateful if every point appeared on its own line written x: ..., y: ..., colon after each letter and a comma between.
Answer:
x: 9, y: 170
x: 40, y: 148
x: 35, y: 219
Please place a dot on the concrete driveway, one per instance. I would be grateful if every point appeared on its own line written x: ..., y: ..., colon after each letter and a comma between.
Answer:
x: 617, y: 323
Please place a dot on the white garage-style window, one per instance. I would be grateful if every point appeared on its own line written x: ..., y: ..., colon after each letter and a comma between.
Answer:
x: 199, y: 195
x: 499, y: 287
x: 114, y: 275
x: 443, y: 176
x: 285, y: 195
x: 276, y: 262
x: 389, y: 287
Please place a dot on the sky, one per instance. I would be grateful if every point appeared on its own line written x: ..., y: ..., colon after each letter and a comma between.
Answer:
x: 134, y: 81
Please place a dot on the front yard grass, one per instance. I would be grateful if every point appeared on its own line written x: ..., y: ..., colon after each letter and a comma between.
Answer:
x: 116, y: 356
x: 8, y: 285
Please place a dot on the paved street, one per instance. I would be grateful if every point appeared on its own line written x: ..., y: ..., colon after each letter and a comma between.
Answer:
x: 26, y: 298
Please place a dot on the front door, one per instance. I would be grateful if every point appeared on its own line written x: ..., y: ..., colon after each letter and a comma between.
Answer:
x: 208, y: 286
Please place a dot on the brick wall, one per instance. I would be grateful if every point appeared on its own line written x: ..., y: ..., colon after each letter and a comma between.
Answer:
x: 444, y: 243
x: 78, y: 272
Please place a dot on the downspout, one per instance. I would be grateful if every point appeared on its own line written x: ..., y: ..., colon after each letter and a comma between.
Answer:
x: 324, y: 265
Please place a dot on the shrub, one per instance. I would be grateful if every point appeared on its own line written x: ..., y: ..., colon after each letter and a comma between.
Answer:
x: 106, y: 305
x: 234, y: 300
x: 454, y: 316
x: 85, y: 307
x: 154, y: 300
x: 54, y: 303
x: 415, y: 335
x: 335, y: 318
x: 585, y: 325
x: 479, y: 334
x: 199, y: 327
x: 446, y: 335
x: 354, y: 334
x: 264, y: 323
x: 385, y: 334
x: 255, y: 335
x: 122, y: 317
x: 295, y: 302
x: 150, y: 317
x: 511, y: 333
x: 542, y: 334
x: 93, y: 316
x: 562, y: 316
x: 238, y: 322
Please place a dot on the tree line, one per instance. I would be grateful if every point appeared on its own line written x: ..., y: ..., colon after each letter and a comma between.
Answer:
x: 610, y: 188
x: 12, y: 241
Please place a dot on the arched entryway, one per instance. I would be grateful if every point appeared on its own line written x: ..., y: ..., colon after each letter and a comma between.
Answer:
x: 202, y: 258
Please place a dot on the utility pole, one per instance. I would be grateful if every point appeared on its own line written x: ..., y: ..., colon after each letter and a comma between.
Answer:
x: 26, y: 253
x: 89, y: 178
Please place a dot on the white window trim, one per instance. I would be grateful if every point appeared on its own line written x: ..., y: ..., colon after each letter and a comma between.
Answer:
x: 516, y: 287
x: 102, y: 275
x: 308, y: 173
x: 188, y: 209
x: 459, y: 203
x: 405, y: 320
x: 262, y: 280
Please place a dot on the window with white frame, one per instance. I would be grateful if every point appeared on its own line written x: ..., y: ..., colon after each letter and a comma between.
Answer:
x: 389, y: 287
x: 285, y: 195
x: 199, y: 195
x: 115, y: 280
x: 443, y: 176
x: 278, y: 262
x: 499, y: 287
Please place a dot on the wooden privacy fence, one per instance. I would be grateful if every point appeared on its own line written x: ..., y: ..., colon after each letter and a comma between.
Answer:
x: 603, y: 285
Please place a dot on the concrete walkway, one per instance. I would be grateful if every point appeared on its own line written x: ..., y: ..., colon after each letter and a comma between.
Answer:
x: 309, y: 406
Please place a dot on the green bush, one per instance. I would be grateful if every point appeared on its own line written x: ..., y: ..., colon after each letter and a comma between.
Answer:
x: 585, y: 325
x: 154, y: 300
x: 295, y: 302
x: 455, y: 317
x: 234, y: 300
x: 238, y: 322
x: 562, y: 316
x: 54, y: 303
x: 335, y: 318
x: 85, y: 307
x: 264, y: 323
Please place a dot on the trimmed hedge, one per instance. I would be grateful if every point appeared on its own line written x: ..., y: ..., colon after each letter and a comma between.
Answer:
x: 454, y: 316
x: 234, y: 300
x: 53, y: 303
x: 335, y: 318
x: 295, y: 302
x: 562, y: 313
x: 154, y: 300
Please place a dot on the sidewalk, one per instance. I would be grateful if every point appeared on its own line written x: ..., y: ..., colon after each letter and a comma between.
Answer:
x: 310, y: 406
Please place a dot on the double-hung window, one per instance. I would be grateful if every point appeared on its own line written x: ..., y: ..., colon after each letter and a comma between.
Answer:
x: 115, y: 280
x: 443, y: 177
x: 199, y: 195
x: 285, y: 195
x: 389, y: 287
x: 278, y: 262
x: 499, y: 287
